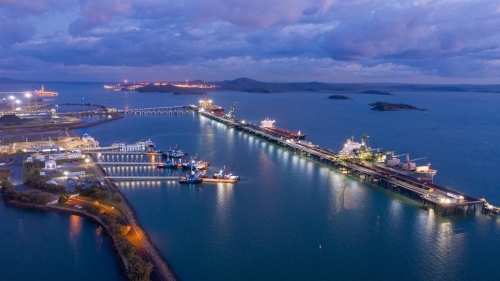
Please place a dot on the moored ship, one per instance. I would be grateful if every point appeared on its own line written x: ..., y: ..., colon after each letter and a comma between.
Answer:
x: 410, y: 168
x: 43, y: 93
x: 207, y: 106
x: 268, y: 124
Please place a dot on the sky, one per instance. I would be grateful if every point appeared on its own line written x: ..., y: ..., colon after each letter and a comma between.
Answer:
x: 417, y: 41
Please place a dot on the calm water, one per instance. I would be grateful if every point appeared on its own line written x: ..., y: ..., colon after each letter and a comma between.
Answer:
x: 270, y: 225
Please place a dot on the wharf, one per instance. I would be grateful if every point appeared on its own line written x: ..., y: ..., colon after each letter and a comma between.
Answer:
x: 128, y: 163
x: 141, y: 178
x: 416, y: 189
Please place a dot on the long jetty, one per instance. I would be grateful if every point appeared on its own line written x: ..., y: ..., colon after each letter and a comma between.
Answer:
x: 430, y: 194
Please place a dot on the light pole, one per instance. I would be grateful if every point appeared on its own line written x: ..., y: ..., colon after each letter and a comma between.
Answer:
x: 18, y: 102
x: 28, y: 96
x: 12, y: 99
x: 57, y: 106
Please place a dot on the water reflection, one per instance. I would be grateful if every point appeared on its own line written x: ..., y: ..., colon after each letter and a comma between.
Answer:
x: 75, y: 225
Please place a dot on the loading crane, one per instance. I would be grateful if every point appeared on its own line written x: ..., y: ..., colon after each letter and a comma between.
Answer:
x: 230, y: 114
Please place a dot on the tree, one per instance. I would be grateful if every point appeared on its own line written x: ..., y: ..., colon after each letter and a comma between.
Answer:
x: 63, y: 199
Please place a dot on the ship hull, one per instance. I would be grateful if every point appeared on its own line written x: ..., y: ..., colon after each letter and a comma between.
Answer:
x: 286, y: 133
x: 423, y: 176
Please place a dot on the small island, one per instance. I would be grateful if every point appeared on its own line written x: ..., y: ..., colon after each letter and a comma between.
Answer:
x: 386, y: 106
x: 338, y: 97
x: 375, y: 92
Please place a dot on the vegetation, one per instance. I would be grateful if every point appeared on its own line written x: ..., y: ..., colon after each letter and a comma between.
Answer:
x: 137, y: 269
x: 63, y: 199
x: 36, y: 181
x: 386, y: 106
x: 92, y: 209
x: 95, y: 192
x: 338, y: 97
x: 4, y: 174
x: 32, y: 196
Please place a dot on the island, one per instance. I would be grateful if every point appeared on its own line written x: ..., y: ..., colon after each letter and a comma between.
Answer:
x: 338, y: 97
x: 375, y: 92
x: 387, y: 106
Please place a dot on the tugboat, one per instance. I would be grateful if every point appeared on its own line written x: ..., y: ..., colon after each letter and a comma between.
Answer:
x: 224, y: 175
x: 195, y: 164
x: 169, y: 165
x: 191, y: 179
x: 174, y: 153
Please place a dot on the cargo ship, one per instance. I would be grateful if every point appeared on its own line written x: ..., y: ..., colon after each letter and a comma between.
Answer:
x: 43, y: 93
x: 410, y: 168
x: 268, y: 124
x: 207, y: 106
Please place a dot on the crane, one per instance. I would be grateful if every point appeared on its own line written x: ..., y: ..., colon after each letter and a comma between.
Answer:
x: 230, y: 114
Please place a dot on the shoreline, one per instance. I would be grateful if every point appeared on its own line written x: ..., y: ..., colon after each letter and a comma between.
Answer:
x: 149, y: 252
x: 154, y: 256
x: 122, y: 259
x: 160, y: 264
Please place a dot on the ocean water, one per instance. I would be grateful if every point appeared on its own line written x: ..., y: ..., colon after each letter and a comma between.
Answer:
x: 271, y: 224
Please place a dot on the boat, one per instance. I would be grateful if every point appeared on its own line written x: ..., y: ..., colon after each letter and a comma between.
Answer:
x: 410, y: 168
x: 195, y: 164
x: 207, y: 106
x: 168, y: 165
x: 191, y: 179
x: 268, y: 124
x: 148, y: 145
x: 222, y: 174
x: 174, y: 153
x: 118, y: 144
x: 43, y: 93
x: 86, y: 137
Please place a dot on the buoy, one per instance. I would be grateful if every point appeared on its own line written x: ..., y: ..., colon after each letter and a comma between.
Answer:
x: 378, y: 217
x: 320, y: 246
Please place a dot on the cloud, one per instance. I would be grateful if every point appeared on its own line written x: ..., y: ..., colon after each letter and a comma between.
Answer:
x: 368, y: 40
x: 35, y: 7
x: 14, y: 31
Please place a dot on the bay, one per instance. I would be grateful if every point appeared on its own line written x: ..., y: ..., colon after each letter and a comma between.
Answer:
x: 271, y: 224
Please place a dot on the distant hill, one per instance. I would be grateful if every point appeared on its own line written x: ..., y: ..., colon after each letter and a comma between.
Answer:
x: 254, y: 86
x: 171, y: 89
x: 6, y: 80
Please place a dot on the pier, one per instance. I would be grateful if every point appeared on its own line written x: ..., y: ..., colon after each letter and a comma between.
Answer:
x: 428, y: 194
x: 142, y: 178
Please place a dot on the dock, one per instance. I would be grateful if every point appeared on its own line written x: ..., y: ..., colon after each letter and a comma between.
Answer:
x: 428, y: 194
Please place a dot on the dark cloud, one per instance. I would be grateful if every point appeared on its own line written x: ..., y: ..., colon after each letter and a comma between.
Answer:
x: 367, y: 40
x: 14, y: 31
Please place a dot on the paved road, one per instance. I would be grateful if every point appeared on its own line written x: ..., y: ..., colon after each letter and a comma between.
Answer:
x: 17, y: 170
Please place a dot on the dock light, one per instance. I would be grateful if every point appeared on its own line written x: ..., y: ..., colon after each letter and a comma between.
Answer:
x: 12, y: 99
x: 28, y: 96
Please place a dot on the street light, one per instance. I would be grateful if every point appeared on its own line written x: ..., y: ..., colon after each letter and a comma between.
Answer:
x: 12, y: 99
x: 28, y: 96
x: 18, y: 102
x: 57, y: 106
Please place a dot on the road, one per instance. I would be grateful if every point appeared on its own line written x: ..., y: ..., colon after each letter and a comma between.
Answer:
x: 16, y: 176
